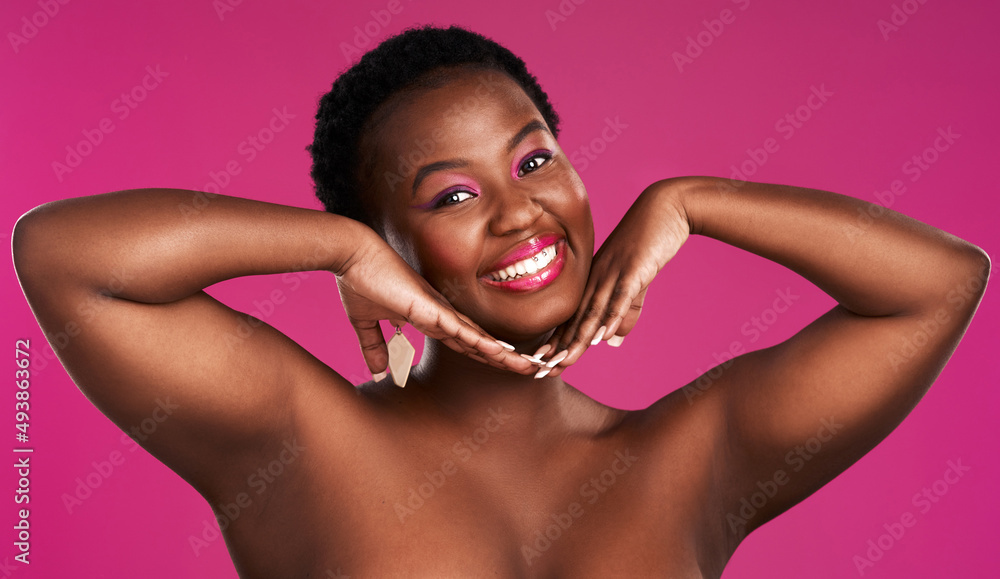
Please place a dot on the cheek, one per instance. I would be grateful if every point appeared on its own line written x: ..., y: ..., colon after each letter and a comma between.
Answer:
x: 574, y: 206
x: 448, y: 259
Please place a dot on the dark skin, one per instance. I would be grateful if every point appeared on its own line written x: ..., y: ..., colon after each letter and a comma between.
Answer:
x: 499, y: 455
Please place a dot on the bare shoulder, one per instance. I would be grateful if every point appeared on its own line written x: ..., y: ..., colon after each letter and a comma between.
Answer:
x: 686, y: 433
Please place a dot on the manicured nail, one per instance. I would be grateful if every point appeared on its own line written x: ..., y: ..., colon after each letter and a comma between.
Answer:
x: 541, y: 351
x: 380, y: 376
x: 599, y: 336
x: 506, y: 345
x: 562, y: 356
x: 615, y: 341
x: 532, y: 359
x: 542, y: 373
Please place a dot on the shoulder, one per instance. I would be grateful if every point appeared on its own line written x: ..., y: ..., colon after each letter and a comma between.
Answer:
x: 696, y: 409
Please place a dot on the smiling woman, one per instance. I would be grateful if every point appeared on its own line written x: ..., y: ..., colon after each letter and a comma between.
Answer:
x: 461, y: 220
x: 452, y: 207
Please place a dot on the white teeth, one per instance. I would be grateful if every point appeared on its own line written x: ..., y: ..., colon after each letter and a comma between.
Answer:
x: 527, y: 266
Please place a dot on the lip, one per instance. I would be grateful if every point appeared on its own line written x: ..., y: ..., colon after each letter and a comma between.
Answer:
x: 538, y: 279
x: 523, y: 250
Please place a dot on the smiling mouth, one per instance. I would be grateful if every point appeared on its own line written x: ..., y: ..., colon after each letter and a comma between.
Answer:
x: 526, y: 267
x: 534, y: 272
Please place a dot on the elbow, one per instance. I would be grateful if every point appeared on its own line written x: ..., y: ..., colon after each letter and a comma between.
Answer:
x: 28, y: 242
x: 969, y: 285
x: 982, y: 267
x: 22, y: 241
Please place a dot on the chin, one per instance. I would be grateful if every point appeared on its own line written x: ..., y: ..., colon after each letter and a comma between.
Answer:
x: 529, y: 305
x: 523, y: 317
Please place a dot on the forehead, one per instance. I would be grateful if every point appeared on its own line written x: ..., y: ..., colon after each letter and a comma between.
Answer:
x: 466, y: 113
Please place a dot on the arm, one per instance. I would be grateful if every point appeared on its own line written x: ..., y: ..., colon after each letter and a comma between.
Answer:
x: 906, y: 293
x: 126, y: 270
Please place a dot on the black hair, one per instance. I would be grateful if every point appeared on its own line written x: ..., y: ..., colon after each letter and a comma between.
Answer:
x: 402, y: 63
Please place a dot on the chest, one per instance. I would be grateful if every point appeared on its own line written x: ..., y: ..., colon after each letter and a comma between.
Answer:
x: 482, y: 504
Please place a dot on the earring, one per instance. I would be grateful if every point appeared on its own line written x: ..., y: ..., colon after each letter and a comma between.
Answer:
x: 400, y: 357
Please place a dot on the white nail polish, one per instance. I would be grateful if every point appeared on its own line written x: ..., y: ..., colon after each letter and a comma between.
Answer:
x: 615, y: 341
x: 506, y: 345
x: 541, y: 351
x: 380, y: 376
x: 543, y: 372
x: 552, y: 363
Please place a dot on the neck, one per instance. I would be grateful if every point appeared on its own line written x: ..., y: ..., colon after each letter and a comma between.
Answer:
x: 464, y: 389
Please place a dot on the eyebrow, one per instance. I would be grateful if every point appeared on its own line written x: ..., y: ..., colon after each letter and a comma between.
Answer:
x: 423, y: 172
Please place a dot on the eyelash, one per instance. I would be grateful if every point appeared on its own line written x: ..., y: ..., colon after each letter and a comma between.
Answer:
x: 440, y: 202
x: 547, y: 155
x: 449, y: 193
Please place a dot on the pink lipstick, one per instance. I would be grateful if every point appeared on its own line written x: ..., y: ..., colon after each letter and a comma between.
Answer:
x: 530, y: 265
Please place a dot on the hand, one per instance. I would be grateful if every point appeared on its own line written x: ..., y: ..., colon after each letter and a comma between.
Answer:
x: 650, y: 234
x: 376, y: 284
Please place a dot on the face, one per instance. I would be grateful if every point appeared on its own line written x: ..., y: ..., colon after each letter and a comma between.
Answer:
x: 475, y: 193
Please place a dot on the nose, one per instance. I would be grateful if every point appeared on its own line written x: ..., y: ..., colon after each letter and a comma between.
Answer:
x: 516, y: 209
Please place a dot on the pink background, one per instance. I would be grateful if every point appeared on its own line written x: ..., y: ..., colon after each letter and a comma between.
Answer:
x: 604, y: 60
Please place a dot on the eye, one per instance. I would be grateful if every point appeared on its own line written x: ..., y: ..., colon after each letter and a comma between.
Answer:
x: 532, y: 163
x: 453, y: 198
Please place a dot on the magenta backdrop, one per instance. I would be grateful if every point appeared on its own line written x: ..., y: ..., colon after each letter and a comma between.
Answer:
x: 695, y: 87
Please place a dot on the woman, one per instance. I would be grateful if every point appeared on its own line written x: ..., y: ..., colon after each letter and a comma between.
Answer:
x: 451, y: 207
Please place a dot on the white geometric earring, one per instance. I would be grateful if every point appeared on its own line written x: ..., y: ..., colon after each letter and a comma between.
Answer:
x: 401, y: 354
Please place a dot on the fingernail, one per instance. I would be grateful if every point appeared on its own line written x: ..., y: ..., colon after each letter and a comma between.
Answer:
x: 541, y: 351
x: 380, y: 376
x: 599, y: 336
x: 562, y: 356
x: 542, y: 373
x: 532, y: 359
x: 506, y: 345
x: 615, y: 341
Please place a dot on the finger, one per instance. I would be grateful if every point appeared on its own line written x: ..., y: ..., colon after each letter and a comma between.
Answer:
x: 373, y: 347
x: 624, y: 321
x: 550, y: 372
x: 555, y: 349
x: 439, y: 322
x: 632, y: 316
x: 590, y: 328
x: 463, y: 335
x: 520, y: 366
x: 549, y: 348
x: 516, y: 362
x: 572, y: 326
x: 507, y: 348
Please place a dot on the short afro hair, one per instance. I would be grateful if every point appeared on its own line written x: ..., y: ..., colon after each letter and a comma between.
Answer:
x: 397, y: 65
